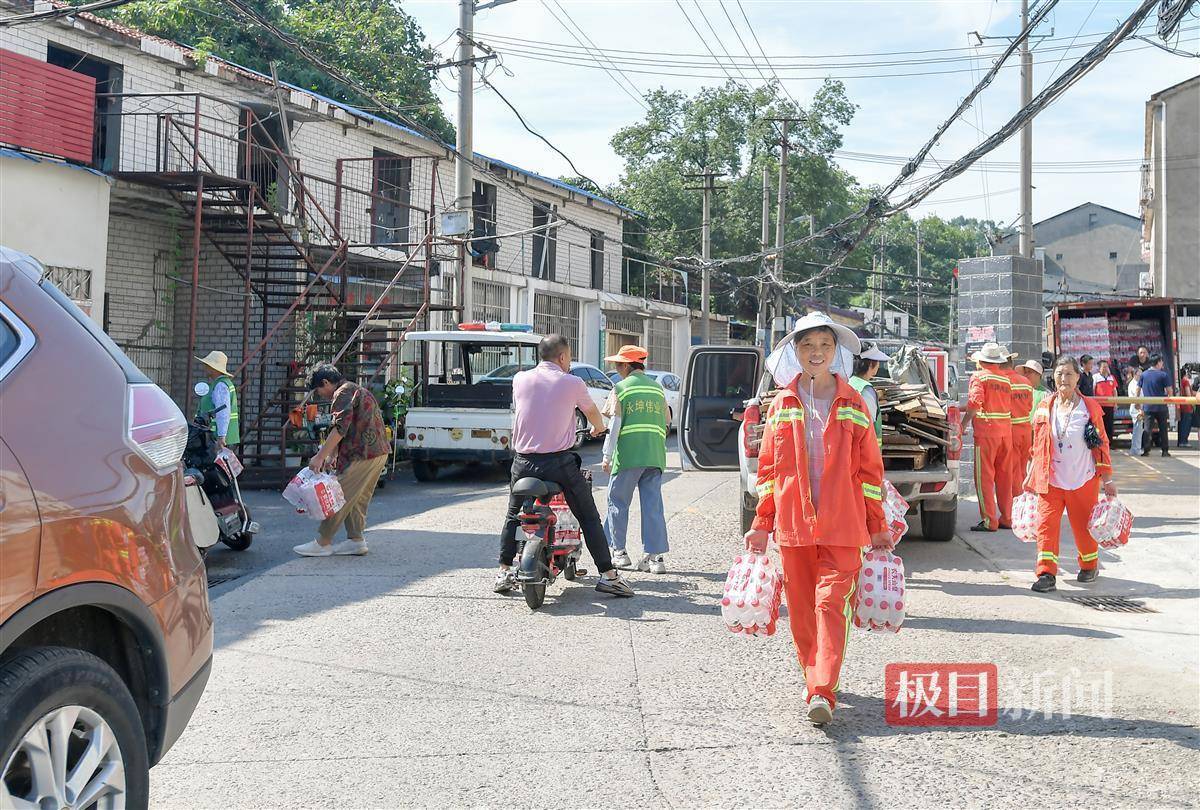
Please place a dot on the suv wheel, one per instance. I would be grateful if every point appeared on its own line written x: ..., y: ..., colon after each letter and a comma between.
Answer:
x: 938, y: 525
x: 68, y: 707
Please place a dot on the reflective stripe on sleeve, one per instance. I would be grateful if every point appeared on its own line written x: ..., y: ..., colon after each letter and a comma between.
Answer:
x: 766, y: 488
x: 873, y: 492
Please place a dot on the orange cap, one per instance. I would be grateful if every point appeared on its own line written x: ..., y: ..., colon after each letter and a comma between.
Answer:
x: 628, y: 354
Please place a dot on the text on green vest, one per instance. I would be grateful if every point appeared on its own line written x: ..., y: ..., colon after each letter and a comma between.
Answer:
x: 642, y: 441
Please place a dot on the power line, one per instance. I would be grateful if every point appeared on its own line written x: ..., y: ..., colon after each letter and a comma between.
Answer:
x: 717, y: 37
x: 742, y: 42
x: 61, y: 11
x: 703, y: 42
x: 636, y: 95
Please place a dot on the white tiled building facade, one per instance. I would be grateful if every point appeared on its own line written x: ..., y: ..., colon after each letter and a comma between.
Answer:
x: 569, y: 279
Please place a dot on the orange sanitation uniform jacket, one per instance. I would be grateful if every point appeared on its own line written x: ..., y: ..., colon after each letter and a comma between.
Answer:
x: 989, y: 395
x: 1053, y: 500
x: 822, y: 544
x: 1022, y: 426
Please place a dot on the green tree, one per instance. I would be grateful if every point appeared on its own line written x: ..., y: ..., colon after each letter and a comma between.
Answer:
x: 728, y: 129
x: 374, y: 41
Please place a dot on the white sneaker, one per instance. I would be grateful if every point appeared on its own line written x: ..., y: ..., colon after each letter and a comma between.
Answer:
x: 313, y: 549
x: 351, y: 548
x: 620, y: 559
x: 658, y: 565
x: 820, y: 711
x: 506, y: 578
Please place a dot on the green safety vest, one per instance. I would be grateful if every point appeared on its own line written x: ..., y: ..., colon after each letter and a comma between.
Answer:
x: 206, y: 407
x: 1039, y: 393
x: 860, y: 385
x: 642, y: 441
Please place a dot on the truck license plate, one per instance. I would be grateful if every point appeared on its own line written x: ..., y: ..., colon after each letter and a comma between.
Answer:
x: 481, y: 433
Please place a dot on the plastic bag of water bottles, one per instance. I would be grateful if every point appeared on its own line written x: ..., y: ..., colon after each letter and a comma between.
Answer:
x: 566, y: 525
x: 880, y: 592
x: 1025, y: 516
x: 315, y: 495
x: 1110, y: 522
x: 895, y: 510
x: 753, y: 589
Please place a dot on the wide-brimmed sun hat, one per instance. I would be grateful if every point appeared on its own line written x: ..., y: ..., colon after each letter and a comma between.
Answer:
x: 991, y: 353
x: 628, y: 354
x: 813, y: 320
x: 783, y: 363
x: 217, y: 361
x: 1033, y: 365
x: 872, y: 352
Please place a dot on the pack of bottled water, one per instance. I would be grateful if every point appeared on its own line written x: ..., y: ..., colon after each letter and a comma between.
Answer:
x: 753, y: 590
x: 1110, y: 522
x: 315, y: 495
x: 895, y: 511
x: 880, y: 592
x: 566, y: 525
x: 1024, y: 516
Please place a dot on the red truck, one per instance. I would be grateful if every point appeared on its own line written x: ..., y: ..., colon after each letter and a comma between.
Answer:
x: 1113, y: 331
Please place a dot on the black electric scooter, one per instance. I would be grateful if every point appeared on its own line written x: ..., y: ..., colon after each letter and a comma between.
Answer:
x: 203, y: 466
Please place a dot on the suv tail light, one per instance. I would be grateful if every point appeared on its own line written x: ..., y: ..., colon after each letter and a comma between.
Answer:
x: 954, y: 421
x: 751, y: 436
x: 155, y: 426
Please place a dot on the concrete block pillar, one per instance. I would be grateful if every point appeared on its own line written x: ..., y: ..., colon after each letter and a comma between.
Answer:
x: 999, y: 300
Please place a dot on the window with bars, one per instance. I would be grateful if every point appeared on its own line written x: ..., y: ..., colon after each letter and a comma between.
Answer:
x: 545, y: 242
x: 658, y: 345
x: 491, y: 301
x: 553, y: 314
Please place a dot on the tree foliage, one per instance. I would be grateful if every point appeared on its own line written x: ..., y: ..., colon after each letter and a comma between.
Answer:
x: 729, y: 129
x: 374, y: 41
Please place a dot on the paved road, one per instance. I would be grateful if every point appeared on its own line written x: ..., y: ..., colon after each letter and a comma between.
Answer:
x: 400, y: 679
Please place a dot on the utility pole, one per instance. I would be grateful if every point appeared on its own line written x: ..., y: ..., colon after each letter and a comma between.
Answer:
x: 464, y: 142
x: 781, y: 199
x: 708, y: 180
x: 879, y: 279
x: 1026, y: 242
x: 919, y: 318
x: 762, y: 333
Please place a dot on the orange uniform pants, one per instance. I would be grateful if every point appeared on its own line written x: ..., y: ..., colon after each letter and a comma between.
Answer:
x: 993, y: 479
x: 1022, y: 450
x: 1078, y: 503
x: 818, y: 585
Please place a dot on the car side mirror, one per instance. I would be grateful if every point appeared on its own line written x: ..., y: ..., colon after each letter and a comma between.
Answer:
x: 201, y: 389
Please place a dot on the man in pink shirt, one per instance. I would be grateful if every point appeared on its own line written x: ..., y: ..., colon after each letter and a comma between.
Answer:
x: 545, y: 399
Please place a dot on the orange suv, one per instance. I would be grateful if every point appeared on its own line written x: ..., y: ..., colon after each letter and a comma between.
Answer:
x: 105, y: 628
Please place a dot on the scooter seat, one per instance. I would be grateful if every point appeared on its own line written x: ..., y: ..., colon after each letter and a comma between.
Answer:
x: 536, y: 488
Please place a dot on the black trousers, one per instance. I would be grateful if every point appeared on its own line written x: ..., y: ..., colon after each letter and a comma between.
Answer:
x: 1160, y: 417
x: 563, y: 469
x: 1109, y: 416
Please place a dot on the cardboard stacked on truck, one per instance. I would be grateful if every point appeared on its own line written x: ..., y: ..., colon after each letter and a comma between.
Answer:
x: 914, y: 424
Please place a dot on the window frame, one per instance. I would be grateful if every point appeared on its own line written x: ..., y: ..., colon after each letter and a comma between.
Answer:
x: 26, y: 340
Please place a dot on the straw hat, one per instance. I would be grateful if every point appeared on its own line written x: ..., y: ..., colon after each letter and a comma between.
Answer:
x: 1033, y: 365
x: 991, y: 353
x: 628, y: 354
x: 217, y: 361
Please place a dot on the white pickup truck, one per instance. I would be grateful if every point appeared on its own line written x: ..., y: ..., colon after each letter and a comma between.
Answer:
x: 721, y: 425
x: 462, y: 406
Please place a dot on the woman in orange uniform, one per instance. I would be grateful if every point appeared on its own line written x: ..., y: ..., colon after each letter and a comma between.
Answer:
x: 1067, y: 473
x: 820, y: 478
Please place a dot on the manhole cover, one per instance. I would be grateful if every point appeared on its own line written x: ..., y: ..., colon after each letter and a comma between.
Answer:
x: 1113, y: 604
x: 220, y: 579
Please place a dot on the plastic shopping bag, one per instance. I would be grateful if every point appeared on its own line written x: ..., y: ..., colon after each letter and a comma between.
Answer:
x: 315, y: 495
x: 227, y: 458
x: 753, y: 590
x: 1110, y: 522
x: 895, y: 509
x: 1025, y: 516
x: 880, y: 592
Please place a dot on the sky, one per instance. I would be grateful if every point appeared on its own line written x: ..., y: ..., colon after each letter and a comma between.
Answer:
x: 579, y: 107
